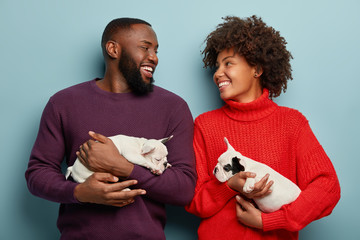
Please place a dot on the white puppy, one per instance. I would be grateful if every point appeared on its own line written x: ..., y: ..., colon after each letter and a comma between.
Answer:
x: 283, y: 192
x: 149, y: 153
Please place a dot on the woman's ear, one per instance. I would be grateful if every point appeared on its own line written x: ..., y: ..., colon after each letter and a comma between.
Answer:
x: 258, y: 71
x: 113, y: 49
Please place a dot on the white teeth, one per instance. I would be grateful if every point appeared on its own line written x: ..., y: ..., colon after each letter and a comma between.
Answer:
x: 223, y: 84
x: 150, y: 69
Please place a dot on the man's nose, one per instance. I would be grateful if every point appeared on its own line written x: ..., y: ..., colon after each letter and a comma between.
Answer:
x: 153, y: 56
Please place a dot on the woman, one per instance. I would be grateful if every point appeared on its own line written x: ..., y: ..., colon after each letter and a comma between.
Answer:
x: 252, y: 67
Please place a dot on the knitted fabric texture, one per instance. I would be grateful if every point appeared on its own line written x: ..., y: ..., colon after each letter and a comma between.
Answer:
x: 68, y: 117
x: 277, y: 136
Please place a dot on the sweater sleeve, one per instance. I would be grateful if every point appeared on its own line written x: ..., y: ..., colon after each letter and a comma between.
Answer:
x: 210, y: 195
x: 318, y: 181
x: 176, y: 185
x: 44, y: 176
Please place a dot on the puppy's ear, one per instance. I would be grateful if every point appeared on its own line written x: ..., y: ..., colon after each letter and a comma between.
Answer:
x: 147, y: 149
x: 164, y: 140
x: 236, y: 166
x: 229, y: 147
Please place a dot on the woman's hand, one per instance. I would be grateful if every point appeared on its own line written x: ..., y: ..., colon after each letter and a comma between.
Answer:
x: 261, y: 188
x: 247, y: 214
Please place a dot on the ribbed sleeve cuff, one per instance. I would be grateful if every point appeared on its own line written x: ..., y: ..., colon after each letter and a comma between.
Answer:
x: 224, y: 191
x: 272, y: 221
x: 70, y: 190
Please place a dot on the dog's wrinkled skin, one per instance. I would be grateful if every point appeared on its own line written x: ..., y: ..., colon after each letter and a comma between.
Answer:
x: 149, y: 153
x: 283, y: 190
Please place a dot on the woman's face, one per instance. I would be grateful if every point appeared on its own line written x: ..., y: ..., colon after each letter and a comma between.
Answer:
x: 235, y: 78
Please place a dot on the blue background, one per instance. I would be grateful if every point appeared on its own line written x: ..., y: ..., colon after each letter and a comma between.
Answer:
x: 46, y: 46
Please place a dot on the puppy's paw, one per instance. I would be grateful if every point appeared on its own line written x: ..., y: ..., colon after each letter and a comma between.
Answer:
x: 249, y: 185
x: 156, y: 171
x: 248, y: 189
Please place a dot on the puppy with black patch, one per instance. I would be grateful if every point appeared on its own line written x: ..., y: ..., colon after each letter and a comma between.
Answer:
x: 283, y: 191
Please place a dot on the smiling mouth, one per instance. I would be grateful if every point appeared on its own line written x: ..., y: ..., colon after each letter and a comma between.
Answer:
x: 147, y: 71
x: 223, y: 84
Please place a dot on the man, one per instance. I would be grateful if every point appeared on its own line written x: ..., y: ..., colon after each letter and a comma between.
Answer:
x: 125, y: 102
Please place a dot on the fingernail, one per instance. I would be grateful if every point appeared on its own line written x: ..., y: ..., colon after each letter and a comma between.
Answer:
x: 143, y: 192
x: 238, y: 197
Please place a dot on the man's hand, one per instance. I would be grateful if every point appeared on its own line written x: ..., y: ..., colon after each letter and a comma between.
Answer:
x: 261, y: 188
x: 247, y: 214
x: 104, y: 188
x: 100, y: 154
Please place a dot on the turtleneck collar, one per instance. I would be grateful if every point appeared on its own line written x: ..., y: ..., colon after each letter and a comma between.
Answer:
x: 251, y: 111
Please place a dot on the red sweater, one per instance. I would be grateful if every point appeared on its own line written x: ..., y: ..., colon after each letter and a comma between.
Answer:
x: 277, y: 136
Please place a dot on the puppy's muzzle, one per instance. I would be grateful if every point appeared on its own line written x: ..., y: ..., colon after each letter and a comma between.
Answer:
x: 216, y: 170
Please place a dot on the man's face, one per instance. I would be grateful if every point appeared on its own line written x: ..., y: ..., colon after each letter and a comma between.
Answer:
x: 132, y: 75
x: 139, y: 58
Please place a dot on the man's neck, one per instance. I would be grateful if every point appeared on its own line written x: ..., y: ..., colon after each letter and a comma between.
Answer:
x: 115, y: 83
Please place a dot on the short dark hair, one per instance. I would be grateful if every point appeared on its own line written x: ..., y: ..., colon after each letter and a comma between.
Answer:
x: 115, y: 26
x: 258, y: 43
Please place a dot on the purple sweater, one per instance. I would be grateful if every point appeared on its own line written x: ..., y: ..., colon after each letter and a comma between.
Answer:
x: 64, y: 126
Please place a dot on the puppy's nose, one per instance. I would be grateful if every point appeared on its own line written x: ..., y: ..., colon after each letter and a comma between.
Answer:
x: 216, y: 170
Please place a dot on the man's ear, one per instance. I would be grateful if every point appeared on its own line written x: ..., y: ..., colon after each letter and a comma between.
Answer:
x: 113, y: 49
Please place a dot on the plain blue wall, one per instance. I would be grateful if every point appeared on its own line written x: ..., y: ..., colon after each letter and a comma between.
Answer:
x: 46, y: 46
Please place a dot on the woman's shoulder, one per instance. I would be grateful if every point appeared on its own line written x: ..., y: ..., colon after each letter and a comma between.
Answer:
x: 211, y: 115
x: 291, y: 114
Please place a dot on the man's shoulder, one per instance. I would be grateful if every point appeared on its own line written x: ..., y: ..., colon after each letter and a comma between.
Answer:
x: 72, y: 92
x: 167, y: 95
x: 74, y: 88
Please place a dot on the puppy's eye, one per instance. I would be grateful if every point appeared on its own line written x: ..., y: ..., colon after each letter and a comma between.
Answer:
x: 227, y: 168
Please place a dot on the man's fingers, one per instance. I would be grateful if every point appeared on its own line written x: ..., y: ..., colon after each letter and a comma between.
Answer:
x: 121, y: 195
x: 126, y: 184
x: 106, y: 177
x: 80, y: 157
x: 98, y: 137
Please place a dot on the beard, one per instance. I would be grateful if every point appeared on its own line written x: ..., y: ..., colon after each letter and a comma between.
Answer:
x: 133, y: 76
